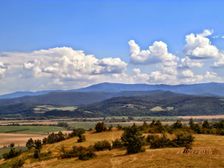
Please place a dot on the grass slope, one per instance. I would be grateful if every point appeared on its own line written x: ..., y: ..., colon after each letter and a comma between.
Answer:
x: 208, y: 151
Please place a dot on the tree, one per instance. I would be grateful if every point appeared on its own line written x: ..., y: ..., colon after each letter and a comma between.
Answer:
x: 82, y: 138
x: 102, y: 145
x: 133, y: 139
x: 177, y: 124
x: 37, y: 146
x: 205, y: 124
x: 184, y: 139
x: 12, y: 152
x: 30, y: 143
x: 100, y: 127
x: 18, y: 163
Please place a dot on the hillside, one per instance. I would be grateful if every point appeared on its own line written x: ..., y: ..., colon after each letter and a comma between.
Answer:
x: 158, y: 103
x: 100, y: 104
x: 207, y: 150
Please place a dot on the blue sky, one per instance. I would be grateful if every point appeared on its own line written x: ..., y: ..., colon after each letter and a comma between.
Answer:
x: 103, y: 28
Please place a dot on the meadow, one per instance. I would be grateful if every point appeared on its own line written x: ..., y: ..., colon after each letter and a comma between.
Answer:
x: 29, y: 129
x: 208, y: 151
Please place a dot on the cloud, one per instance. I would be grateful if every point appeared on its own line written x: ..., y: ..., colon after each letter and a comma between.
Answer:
x: 187, y: 62
x: 58, y: 66
x: 219, y: 63
x: 67, y: 68
x: 68, y: 63
x: 3, y: 69
x: 156, y: 53
x: 199, y: 46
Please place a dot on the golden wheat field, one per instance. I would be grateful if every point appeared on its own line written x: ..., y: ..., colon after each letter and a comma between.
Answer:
x: 208, y: 151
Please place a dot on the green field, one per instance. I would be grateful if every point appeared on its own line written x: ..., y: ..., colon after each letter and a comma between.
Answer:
x: 30, y: 129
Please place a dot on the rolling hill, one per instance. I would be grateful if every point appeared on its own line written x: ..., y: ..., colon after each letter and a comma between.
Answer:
x: 158, y: 103
x: 100, y: 104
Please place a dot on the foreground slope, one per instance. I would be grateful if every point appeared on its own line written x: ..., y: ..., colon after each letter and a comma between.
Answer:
x: 208, y: 151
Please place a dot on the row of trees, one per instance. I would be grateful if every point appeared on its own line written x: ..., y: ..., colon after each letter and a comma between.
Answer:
x: 200, y: 128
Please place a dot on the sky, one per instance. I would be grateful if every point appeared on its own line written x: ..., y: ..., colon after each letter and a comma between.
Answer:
x: 55, y: 44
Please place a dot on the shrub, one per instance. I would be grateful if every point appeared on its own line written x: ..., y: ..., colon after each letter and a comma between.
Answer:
x: 78, y: 151
x: 82, y: 138
x: 76, y: 132
x: 37, y: 144
x: 182, y: 139
x: 110, y: 128
x: 86, y: 154
x: 117, y: 143
x: 100, y: 127
x: 67, y: 154
x: 54, y: 137
x: 18, y: 163
x: 133, y: 139
x: 205, y: 124
x: 30, y: 143
x: 177, y: 125
x: 151, y: 138
x: 119, y: 127
x: 36, y: 154
x: 12, y: 152
x: 102, y: 145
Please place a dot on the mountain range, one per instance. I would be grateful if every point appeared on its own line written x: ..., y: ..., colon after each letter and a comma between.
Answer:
x: 216, y: 89
x: 116, y: 99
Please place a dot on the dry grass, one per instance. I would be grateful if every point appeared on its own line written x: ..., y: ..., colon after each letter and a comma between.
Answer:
x: 208, y: 151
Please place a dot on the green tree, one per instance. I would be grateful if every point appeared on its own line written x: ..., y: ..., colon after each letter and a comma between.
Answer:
x: 133, y: 139
x: 177, y: 124
x: 205, y: 124
x: 100, y: 127
x: 30, y: 143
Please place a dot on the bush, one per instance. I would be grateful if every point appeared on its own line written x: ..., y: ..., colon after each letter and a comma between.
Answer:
x: 119, y: 127
x: 110, y: 128
x: 182, y: 139
x: 37, y: 144
x: 54, y: 137
x: 102, y: 145
x: 67, y: 154
x: 159, y: 142
x: 78, y: 151
x: 30, y: 143
x: 151, y: 138
x: 76, y: 132
x: 100, y: 127
x: 82, y: 138
x: 133, y: 140
x: 117, y: 143
x: 177, y: 125
x: 86, y: 154
x: 18, y: 163
x: 36, y: 154
x: 12, y: 152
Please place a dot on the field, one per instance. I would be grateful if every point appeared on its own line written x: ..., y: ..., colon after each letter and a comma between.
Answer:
x: 29, y: 129
x: 17, y: 139
x: 208, y: 151
x: 20, y: 134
